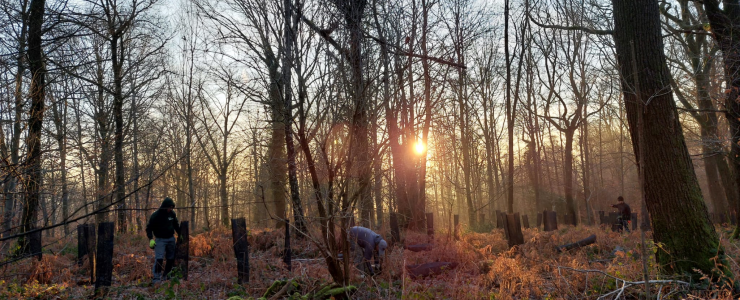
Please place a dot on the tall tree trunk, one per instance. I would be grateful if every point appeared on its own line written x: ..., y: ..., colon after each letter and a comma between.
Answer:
x: 120, y: 188
x: 725, y: 23
x: 421, y: 202
x: 9, y: 189
x: 135, y: 157
x: 289, y: 40
x: 37, y: 92
x: 568, y: 175
x: 60, y: 122
x: 224, y: 195
x: 673, y: 198
x: 509, y: 116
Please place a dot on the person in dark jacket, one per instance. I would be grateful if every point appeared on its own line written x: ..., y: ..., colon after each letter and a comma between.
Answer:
x: 625, y: 214
x: 161, y: 230
x: 372, y: 244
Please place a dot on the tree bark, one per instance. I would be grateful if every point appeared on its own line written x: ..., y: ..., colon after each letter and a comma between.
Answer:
x: 37, y: 92
x: 289, y: 39
x: 116, y: 50
x: 9, y: 188
x: 724, y: 25
x: 673, y: 198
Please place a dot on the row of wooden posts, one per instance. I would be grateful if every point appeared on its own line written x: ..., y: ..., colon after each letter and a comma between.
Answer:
x: 98, y: 248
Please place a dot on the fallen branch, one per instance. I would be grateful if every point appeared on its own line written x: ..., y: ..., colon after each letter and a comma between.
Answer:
x: 584, y: 242
x: 625, y: 283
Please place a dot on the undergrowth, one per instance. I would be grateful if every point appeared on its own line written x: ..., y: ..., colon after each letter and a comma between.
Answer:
x: 487, y: 268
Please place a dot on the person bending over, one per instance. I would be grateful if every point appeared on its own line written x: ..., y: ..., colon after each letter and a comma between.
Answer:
x: 372, y: 244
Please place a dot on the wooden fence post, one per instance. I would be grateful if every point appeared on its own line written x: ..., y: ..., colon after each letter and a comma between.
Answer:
x: 499, y: 220
x: 550, y: 218
x: 395, y: 232
x: 539, y: 220
x: 34, y: 244
x: 514, y: 230
x: 81, y: 243
x: 430, y: 225
x: 482, y: 220
x: 525, y: 221
x: 104, y: 264
x: 241, y: 249
x: 504, y: 224
x: 287, y: 252
x: 602, y: 218
x: 89, y: 230
x: 457, y: 224
x: 182, y: 254
x: 634, y: 221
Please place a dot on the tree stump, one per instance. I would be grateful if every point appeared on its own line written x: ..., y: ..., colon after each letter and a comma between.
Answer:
x: 525, y: 221
x: 514, y: 230
x: 90, y: 242
x: 104, y: 256
x: 539, y: 220
x: 241, y: 249
x: 182, y: 252
x: 81, y: 243
x: 613, y: 218
x: 430, y: 225
x: 34, y: 244
x: 550, y: 219
x: 287, y: 252
x: 634, y: 221
x: 504, y: 224
x: 395, y: 232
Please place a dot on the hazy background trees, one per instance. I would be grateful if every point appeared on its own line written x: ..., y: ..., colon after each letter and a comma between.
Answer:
x: 390, y: 106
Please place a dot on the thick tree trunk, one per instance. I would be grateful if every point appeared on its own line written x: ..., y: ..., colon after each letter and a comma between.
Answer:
x: 37, y: 92
x: 725, y: 23
x: 711, y: 140
x: 120, y: 188
x: 673, y: 198
x: 568, y: 176
x: 422, y: 196
x: 277, y: 167
x: 224, y: 195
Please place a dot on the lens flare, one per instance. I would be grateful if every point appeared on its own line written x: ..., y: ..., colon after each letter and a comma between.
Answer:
x: 419, y: 148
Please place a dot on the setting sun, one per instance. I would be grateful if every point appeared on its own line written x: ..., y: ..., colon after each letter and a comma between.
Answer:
x: 419, y: 148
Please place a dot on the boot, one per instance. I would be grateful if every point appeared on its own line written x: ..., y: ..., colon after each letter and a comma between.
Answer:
x: 157, y: 271
x: 167, y: 268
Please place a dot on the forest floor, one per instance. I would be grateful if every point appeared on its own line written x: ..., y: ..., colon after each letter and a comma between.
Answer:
x: 487, y: 268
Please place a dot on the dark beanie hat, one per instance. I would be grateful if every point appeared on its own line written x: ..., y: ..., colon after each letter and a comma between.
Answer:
x: 167, y: 203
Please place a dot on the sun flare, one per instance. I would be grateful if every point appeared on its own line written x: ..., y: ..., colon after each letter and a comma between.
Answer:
x: 419, y: 148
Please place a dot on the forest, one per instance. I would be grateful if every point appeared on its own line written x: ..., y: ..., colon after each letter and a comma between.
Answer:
x: 469, y: 149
